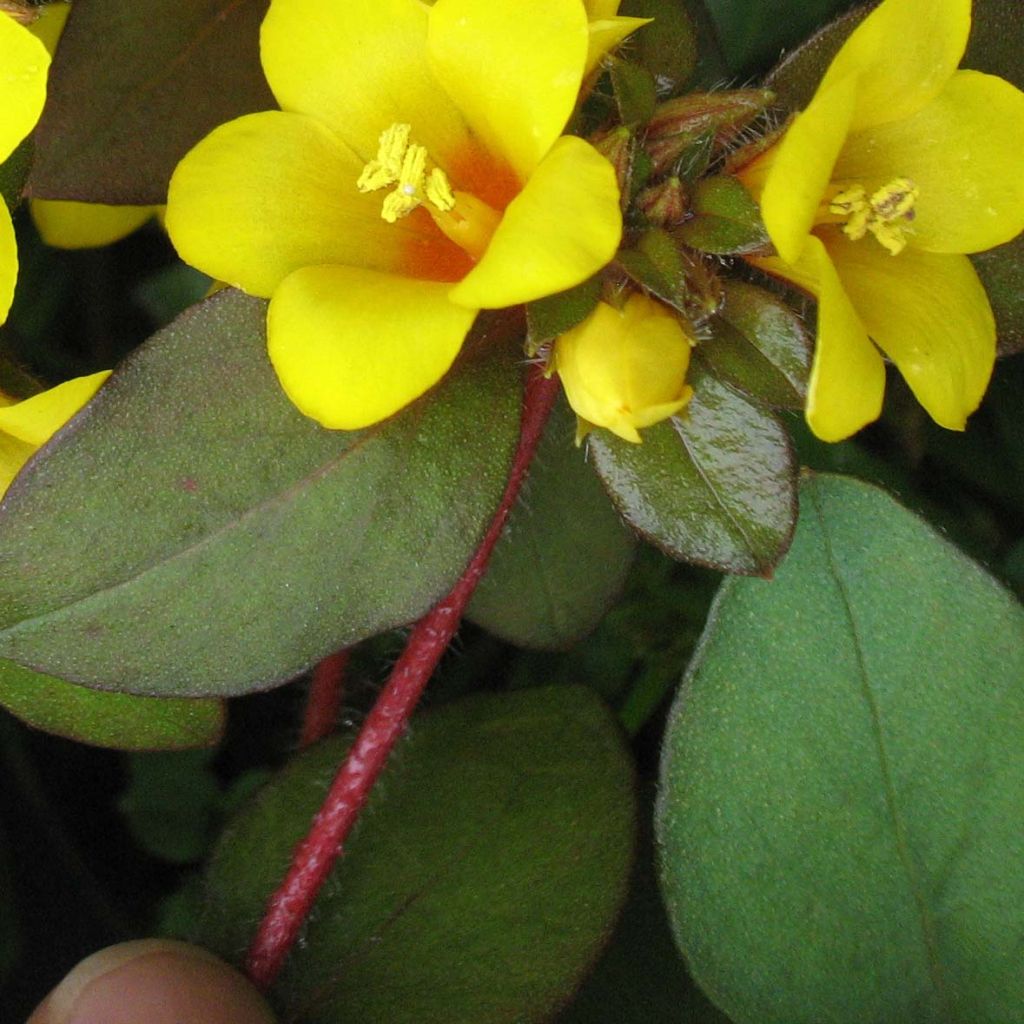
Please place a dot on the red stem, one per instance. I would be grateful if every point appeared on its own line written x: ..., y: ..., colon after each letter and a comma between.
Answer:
x: 315, y: 856
x: 324, y: 699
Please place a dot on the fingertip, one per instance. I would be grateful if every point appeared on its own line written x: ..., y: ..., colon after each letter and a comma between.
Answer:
x: 153, y: 981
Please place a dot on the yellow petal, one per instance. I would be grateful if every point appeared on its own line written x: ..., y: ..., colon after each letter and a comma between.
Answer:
x: 269, y: 193
x: 847, y: 381
x: 801, y: 168
x: 8, y: 262
x: 26, y: 426
x: 963, y: 152
x: 49, y: 25
x: 625, y: 369
x: 24, y: 63
x: 597, y: 9
x: 563, y: 227
x: 71, y: 225
x: 929, y: 313
x: 352, y: 346
x: 606, y: 34
x: 360, y: 66
x: 513, y: 69
x: 902, y: 55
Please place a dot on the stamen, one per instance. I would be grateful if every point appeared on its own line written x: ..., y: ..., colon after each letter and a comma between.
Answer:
x: 404, y: 165
x: 881, y: 214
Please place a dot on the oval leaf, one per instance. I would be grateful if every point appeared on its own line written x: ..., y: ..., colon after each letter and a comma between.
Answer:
x: 715, y: 486
x: 843, y: 778
x: 758, y: 344
x: 116, y: 720
x: 135, y: 85
x: 488, y: 868
x: 565, y: 554
x: 193, y: 534
x: 725, y: 220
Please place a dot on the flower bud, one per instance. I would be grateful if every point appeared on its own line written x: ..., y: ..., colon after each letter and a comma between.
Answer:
x: 624, y: 369
x: 680, y: 123
x: 618, y: 147
x: 664, y: 204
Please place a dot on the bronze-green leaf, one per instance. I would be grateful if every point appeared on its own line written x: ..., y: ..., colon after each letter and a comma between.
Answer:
x: 486, y: 873
x: 135, y: 85
x: 192, y: 534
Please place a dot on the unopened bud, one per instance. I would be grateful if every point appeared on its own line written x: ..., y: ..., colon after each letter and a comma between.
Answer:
x: 20, y: 11
x: 625, y: 369
x: 665, y: 203
x: 678, y: 124
x: 618, y: 147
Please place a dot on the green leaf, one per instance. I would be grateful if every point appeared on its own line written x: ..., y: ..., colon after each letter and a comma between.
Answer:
x: 171, y: 804
x: 116, y: 720
x: 715, y: 485
x: 754, y: 32
x: 564, y: 557
x: 842, y: 781
x: 725, y: 219
x: 483, y: 879
x: 193, y: 534
x: 135, y: 85
x: 758, y: 345
x: 13, y: 172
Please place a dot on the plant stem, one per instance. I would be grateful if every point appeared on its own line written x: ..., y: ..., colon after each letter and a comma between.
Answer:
x: 324, y: 698
x: 314, y: 857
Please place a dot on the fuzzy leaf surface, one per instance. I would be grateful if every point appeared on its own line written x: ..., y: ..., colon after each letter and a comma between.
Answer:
x: 484, y: 876
x: 842, y: 780
x: 192, y: 534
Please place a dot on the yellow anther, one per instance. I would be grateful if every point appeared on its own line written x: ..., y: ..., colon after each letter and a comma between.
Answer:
x: 386, y: 167
x: 403, y: 164
x: 885, y: 214
x: 439, y: 190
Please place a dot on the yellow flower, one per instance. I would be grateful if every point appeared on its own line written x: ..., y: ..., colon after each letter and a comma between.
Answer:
x: 415, y: 175
x: 899, y: 165
x: 23, y: 66
x: 624, y: 368
x: 26, y: 426
x: 607, y: 29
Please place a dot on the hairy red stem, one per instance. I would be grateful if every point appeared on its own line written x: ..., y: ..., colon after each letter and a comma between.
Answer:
x: 315, y: 855
x: 324, y: 699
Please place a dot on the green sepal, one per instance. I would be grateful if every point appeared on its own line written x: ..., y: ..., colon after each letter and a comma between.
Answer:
x: 553, y: 315
x: 635, y: 92
x: 725, y: 220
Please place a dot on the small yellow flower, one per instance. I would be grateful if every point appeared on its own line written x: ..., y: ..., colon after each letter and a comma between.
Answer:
x: 623, y: 369
x: 415, y: 174
x: 899, y: 166
x: 23, y: 66
x: 26, y: 426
